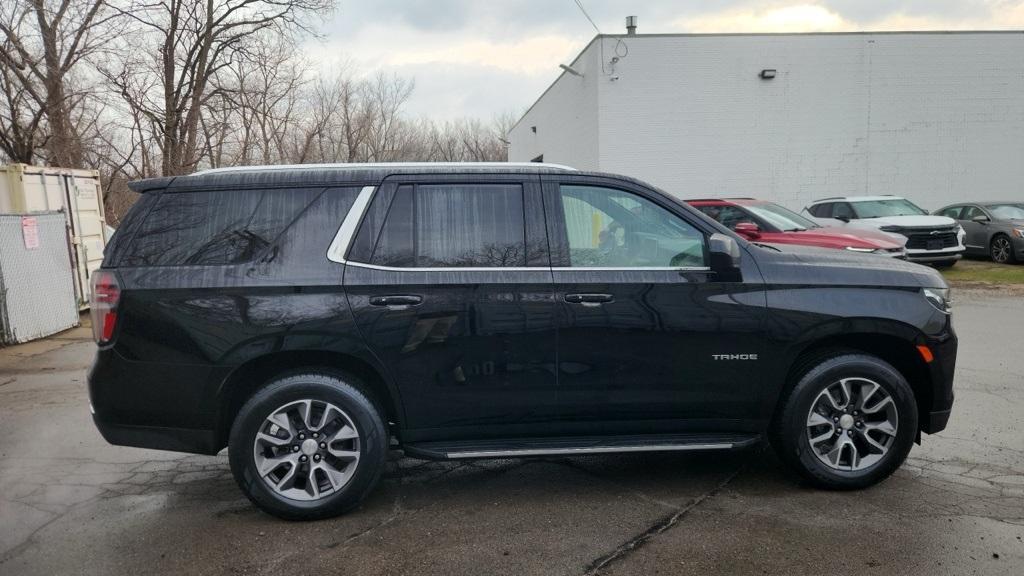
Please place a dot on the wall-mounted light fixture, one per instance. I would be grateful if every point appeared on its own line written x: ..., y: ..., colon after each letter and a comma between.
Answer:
x: 767, y: 74
x: 571, y: 70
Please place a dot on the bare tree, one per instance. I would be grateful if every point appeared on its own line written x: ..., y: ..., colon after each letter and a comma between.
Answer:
x: 191, y: 43
x: 21, y: 131
x: 385, y: 95
x: 44, y: 44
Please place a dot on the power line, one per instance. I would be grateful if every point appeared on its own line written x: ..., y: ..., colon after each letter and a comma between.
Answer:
x: 584, y: 10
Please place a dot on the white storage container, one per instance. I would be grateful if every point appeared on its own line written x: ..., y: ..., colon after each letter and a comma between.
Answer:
x: 27, y: 189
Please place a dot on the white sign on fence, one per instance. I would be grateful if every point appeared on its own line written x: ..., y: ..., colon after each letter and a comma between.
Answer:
x: 30, y: 232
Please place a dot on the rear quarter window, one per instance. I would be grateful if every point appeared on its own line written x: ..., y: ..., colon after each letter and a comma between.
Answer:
x: 213, y: 228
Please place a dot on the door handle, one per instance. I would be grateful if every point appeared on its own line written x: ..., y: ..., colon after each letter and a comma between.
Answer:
x: 589, y: 299
x: 396, y: 300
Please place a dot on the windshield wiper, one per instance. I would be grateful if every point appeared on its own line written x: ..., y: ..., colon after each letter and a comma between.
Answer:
x: 768, y: 246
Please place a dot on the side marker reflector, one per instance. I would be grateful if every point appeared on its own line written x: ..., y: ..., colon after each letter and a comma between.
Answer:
x: 926, y: 353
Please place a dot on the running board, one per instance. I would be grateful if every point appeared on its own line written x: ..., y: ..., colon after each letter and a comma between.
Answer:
x: 577, y: 446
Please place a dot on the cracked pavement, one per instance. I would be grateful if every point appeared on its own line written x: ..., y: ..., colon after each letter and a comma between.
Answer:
x: 71, y: 504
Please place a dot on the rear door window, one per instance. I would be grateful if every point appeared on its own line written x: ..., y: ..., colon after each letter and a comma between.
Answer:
x: 821, y: 210
x: 972, y: 212
x: 842, y: 210
x: 454, y: 226
x: 951, y: 212
x: 214, y: 228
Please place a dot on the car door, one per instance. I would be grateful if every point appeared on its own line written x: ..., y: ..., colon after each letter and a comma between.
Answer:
x: 450, y: 284
x: 648, y: 339
x: 977, y: 233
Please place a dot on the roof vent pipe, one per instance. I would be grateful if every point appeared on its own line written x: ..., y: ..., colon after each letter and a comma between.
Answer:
x: 631, y: 25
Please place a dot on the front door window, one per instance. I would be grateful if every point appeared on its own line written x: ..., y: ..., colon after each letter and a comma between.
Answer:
x: 610, y: 228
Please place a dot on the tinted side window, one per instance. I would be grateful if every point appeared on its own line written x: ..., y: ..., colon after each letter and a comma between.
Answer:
x: 842, y: 210
x: 214, y: 228
x: 821, y: 210
x: 617, y: 229
x: 951, y: 212
x: 728, y: 216
x: 120, y: 242
x: 454, y: 225
x: 970, y: 213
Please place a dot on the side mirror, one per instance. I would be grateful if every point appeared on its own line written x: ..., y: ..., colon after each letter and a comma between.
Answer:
x: 843, y: 219
x: 980, y: 219
x: 748, y: 230
x: 725, y: 258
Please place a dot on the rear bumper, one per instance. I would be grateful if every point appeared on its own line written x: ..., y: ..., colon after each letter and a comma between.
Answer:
x: 152, y: 405
x: 175, y: 439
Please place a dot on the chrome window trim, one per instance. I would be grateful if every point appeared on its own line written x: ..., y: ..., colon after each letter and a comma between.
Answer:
x: 451, y: 268
x: 526, y: 268
x: 627, y: 269
x: 347, y: 230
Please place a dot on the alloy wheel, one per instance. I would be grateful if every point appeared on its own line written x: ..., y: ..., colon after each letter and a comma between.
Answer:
x: 1001, y: 250
x: 852, y: 424
x: 306, y: 450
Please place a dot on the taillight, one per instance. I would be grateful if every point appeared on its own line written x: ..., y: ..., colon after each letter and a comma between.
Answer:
x: 106, y: 293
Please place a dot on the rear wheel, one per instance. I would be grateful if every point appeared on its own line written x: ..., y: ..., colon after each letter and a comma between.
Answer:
x: 308, y: 446
x: 1001, y: 250
x: 848, y: 423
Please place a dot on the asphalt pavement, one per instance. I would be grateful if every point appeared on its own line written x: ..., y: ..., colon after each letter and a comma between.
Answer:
x: 72, y: 504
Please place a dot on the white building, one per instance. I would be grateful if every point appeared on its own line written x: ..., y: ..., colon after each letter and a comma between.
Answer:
x: 934, y: 116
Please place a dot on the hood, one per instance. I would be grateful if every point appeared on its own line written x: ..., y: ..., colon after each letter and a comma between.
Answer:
x: 841, y: 237
x: 908, y: 221
x: 806, y: 265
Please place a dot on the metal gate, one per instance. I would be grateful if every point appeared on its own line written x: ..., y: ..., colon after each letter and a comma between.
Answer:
x: 37, y: 294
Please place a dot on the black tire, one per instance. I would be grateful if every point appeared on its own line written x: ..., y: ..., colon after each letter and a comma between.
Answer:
x: 1000, y: 249
x: 789, y: 432
x: 343, y: 392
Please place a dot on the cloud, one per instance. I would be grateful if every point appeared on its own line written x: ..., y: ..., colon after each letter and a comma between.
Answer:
x: 476, y: 58
x: 841, y: 16
x: 793, y: 18
x: 531, y: 55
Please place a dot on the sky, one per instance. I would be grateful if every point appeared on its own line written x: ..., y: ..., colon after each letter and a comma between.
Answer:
x: 483, y: 58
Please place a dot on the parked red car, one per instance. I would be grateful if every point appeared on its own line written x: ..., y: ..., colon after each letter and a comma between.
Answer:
x: 767, y: 222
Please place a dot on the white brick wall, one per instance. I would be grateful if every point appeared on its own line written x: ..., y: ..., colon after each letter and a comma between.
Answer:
x: 566, y: 120
x: 937, y: 117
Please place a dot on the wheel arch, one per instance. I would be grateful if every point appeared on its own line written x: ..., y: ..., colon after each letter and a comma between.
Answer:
x: 251, y: 376
x: 894, y: 343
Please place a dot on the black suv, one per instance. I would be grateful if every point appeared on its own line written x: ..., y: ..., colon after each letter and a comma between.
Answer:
x: 311, y: 318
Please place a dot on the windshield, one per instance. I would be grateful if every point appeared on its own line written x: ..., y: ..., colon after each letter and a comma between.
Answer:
x: 1007, y: 211
x: 779, y: 217
x: 883, y: 208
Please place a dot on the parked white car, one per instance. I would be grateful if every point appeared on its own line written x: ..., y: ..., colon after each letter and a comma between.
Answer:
x: 935, y: 240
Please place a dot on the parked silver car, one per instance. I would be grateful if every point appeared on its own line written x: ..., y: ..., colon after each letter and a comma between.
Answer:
x: 993, y: 228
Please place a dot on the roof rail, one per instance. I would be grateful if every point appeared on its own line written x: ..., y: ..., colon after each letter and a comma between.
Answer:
x: 382, y: 166
x: 830, y: 198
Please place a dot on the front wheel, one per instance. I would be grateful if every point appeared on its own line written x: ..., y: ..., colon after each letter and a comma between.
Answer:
x: 848, y: 423
x: 1001, y: 250
x: 308, y: 446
